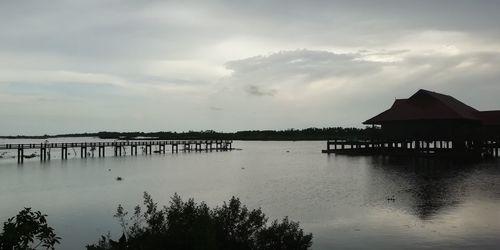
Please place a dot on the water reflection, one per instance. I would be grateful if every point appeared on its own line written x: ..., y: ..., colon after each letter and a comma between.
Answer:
x: 424, y: 187
x: 342, y: 200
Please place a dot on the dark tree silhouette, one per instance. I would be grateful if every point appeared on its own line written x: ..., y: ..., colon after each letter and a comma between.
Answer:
x: 189, y: 225
x: 261, y: 135
x: 27, y: 230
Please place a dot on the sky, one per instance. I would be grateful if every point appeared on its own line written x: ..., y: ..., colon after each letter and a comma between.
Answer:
x: 150, y: 65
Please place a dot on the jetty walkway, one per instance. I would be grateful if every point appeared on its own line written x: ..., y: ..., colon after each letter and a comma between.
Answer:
x: 466, y: 149
x: 88, y: 149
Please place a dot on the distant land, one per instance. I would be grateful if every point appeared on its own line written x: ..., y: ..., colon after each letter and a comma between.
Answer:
x: 256, y: 135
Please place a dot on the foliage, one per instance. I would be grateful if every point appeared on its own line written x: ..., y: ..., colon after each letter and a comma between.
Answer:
x: 27, y: 230
x: 329, y: 133
x: 288, y: 134
x: 189, y: 225
x: 283, y: 236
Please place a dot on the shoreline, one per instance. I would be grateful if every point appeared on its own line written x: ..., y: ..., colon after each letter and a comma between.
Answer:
x: 308, y: 134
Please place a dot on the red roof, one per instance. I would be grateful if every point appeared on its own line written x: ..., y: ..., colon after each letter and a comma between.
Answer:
x: 428, y: 105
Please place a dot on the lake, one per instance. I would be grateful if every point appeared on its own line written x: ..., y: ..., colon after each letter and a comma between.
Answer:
x: 347, y: 202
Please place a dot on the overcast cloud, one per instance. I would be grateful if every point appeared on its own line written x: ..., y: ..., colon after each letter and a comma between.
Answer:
x: 94, y: 65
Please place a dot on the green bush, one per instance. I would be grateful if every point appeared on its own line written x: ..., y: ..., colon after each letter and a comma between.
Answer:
x: 188, y: 225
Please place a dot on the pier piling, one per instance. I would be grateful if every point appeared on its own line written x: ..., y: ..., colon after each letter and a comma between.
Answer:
x: 118, y: 146
x: 20, y: 153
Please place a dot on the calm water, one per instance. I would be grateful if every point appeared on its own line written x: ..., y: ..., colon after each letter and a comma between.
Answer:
x: 341, y: 200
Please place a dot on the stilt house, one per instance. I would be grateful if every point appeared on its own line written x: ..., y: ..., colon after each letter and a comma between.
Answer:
x: 432, y: 116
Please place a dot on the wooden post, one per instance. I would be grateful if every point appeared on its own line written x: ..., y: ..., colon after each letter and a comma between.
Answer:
x: 43, y: 153
x: 62, y: 153
x: 82, y: 153
x: 496, y: 148
x: 20, y: 153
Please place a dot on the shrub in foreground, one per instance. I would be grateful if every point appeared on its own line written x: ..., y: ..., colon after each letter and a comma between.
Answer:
x: 27, y: 230
x: 189, y: 225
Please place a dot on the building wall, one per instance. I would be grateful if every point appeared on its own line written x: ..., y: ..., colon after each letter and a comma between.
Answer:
x: 491, y: 132
x: 431, y: 130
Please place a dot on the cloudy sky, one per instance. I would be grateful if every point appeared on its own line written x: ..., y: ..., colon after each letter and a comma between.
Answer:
x: 129, y: 65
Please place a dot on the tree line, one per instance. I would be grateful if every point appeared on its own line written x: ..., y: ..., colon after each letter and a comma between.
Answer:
x: 261, y: 135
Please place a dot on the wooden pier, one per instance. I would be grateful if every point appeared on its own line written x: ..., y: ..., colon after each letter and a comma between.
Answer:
x: 467, y: 149
x: 117, y: 146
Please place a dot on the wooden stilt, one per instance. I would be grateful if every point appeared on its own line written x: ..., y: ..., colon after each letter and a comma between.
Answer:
x: 20, y: 154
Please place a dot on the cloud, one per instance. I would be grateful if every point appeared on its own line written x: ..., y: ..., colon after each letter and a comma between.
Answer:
x: 316, y: 88
x: 297, y: 72
x: 266, y: 64
x: 256, y: 91
x: 212, y: 108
